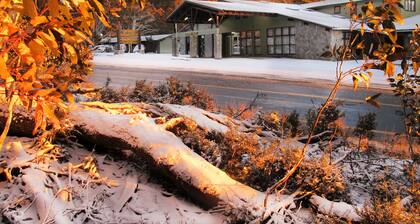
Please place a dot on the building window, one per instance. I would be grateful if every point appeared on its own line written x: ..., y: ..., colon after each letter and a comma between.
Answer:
x: 281, y: 41
x: 250, y: 42
x: 410, y: 5
x: 347, y: 36
x: 337, y: 9
x: 353, y: 9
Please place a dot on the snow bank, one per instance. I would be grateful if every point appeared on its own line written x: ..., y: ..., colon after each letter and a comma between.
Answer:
x: 142, y: 133
x: 272, y: 68
x: 133, y: 199
x: 204, y: 119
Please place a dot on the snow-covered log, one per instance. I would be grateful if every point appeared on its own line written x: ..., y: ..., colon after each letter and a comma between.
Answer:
x: 116, y: 129
x: 338, y: 209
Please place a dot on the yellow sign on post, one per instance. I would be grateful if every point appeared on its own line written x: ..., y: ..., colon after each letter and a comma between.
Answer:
x: 129, y: 37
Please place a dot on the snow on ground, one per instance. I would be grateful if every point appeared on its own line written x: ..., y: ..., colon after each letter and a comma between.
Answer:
x: 39, y: 195
x: 204, y: 119
x: 142, y: 132
x: 272, y: 68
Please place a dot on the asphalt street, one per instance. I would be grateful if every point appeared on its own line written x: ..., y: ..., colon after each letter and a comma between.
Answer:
x: 276, y: 95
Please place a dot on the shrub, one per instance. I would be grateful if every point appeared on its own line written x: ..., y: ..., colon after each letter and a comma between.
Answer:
x: 283, y: 125
x: 365, y: 125
x: 259, y: 163
x: 388, y: 212
x: 142, y: 92
x: 110, y: 95
x: 329, y: 120
x: 172, y: 91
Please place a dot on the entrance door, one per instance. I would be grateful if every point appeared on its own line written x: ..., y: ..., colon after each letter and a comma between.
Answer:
x: 235, y: 44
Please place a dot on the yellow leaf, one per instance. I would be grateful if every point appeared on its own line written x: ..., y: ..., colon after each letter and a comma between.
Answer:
x: 30, y: 74
x: 22, y: 49
x: 30, y: 8
x: 390, y: 69
x: 83, y: 37
x: 397, y: 14
x: 38, y: 49
x: 399, y: 77
x: 355, y: 84
x: 72, y: 53
x: 415, y: 67
x: 53, y: 7
x: 4, y: 72
x: 39, y: 20
x: 366, y: 78
x: 44, y: 92
x: 70, y: 97
x: 48, y: 39
x: 25, y: 53
x: 392, y: 34
x: 372, y: 100
x: 49, y: 112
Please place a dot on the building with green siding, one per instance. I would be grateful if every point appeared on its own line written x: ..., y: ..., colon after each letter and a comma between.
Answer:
x: 246, y: 28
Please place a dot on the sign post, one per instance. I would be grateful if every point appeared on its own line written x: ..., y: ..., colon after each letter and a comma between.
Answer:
x: 129, y: 37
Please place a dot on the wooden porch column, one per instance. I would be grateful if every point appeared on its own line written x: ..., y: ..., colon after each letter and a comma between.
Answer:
x: 194, y: 45
x: 175, y: 40
x: 217, y: 40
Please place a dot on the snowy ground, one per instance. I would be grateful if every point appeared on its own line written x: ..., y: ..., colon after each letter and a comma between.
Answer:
x: 272, y: 68
x: 63, y: 195
x: 73, y: 185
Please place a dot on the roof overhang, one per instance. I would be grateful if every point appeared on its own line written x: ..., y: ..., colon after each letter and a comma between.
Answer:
x: 193, y: 12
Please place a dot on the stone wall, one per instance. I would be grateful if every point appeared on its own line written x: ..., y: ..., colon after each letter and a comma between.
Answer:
x: 312, y: 40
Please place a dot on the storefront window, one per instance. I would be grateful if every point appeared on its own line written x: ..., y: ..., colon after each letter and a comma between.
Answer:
x: 410, y: 5
x: 281, y: 41
x: 251, y: 43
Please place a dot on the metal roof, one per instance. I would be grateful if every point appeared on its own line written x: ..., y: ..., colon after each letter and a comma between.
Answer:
x: 313, y: 5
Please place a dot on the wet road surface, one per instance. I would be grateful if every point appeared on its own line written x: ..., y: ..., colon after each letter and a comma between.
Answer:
x: 277, y: 95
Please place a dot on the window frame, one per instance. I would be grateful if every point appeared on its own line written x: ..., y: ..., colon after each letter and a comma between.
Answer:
x: 337, y: 11
x: 410, y: 5
x: 248, y: 46
x: 279, y: 43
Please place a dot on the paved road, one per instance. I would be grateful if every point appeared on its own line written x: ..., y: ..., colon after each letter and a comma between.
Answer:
x: 278, y: 95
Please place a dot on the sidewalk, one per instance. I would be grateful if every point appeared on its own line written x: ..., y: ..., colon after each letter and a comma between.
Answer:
x: 271, y: 68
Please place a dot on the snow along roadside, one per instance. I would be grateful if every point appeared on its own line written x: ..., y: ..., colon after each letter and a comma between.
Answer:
x: 271, y: 68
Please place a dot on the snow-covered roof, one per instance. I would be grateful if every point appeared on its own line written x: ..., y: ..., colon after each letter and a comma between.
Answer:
x: 290, y: 10
x: 303, y: 12
x: 108, y: 40
x: 155, y: 37
x: 319, y: 4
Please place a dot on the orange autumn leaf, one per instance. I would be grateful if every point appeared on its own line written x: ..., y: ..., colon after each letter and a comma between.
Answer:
x: 72, y: 53
x: 30, y: 8
x: 4, y: 72
x: 390, y: 69
x: 39, y: 20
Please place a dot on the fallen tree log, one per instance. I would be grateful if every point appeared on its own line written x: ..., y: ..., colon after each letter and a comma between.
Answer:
x: 126, y: 127
x: 204, y: 183
x: 23, y: 123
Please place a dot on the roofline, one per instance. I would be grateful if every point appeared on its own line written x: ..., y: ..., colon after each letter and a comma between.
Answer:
x: 184, y: 3
x: 235, y: 12
x: 216, y: 10
x: 308, y: 5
